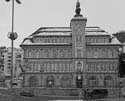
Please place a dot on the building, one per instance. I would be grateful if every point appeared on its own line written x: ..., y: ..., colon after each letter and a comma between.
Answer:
x: 2, y: 59
x: 6, y: 63
x: 71, y: 57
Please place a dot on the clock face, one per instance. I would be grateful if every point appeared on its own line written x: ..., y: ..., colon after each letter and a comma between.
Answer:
x: 78, y: 27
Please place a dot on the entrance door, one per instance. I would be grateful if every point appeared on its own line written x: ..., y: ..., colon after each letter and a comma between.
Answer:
x: 79, y: 81
x: 50, y: 81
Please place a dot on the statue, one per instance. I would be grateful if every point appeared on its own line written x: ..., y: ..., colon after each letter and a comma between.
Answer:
x: 78, y: 9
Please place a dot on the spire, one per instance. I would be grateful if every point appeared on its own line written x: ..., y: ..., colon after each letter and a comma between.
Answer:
x: 78, y: 9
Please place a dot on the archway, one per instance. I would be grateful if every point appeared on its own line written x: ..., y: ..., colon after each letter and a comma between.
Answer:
x: 92, y: 81
x: 108, y: 81
x: 33, y: 81
x: 65, y: 82
x: 79, y: 81
x: 50, y: 81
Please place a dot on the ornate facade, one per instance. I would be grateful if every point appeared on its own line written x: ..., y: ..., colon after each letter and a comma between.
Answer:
x: 69, y: 57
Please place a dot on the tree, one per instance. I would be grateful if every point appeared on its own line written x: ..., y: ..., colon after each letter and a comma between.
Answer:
x: 120, y: 36
x: 1, y: 62
x: 122, y: 65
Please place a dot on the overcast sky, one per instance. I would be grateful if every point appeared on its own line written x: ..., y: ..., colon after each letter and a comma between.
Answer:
x: 33, y: 14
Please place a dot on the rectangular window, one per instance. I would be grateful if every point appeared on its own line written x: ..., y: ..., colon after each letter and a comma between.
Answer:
x: 60, y: 67
x: 44, y: 67
x: 52, y: 68
x: 56, y: 67
x: 48, y: 67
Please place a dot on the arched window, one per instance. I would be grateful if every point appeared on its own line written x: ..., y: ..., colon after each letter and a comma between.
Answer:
x: 95, y: 55
x: 36, y: 53
x: 108, y: 81
x: 79, y: 66
x: 47, y: 53
x: 29, y: 54
x: 50, y: 81
x: 93, y: 81
x: 79, y: 53
x: 41, y: 53
x: 54, y: 54
x: 69, y: 53
x: 62, y: 53
x: 33, y: 81
x: 65, y: 82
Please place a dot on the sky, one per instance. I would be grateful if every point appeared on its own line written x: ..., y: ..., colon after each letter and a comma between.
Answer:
x: 33, y: 14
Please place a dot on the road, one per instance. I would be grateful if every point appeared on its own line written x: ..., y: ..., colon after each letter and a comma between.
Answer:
x: 40, y: 99
x: 8, y: 97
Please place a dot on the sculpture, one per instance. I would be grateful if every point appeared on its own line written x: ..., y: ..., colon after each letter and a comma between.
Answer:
x: 78, y: 9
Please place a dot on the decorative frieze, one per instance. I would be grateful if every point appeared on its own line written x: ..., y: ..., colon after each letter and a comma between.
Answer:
x: 101, y: 67
x: 97, y: 40
x: 102, y: 53
x: 49, y: 67
x: 48, y: 53
x: 52, y: 39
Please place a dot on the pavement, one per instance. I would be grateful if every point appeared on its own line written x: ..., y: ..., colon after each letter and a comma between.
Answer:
x: 42, y: 99
x: 7, y: 97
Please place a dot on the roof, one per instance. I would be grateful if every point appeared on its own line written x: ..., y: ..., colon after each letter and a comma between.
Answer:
x: 45, y: 31
x: 65, y: 31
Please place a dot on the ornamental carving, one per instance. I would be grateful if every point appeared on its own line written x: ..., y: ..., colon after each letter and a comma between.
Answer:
x: 79, y: 41
x: 49, y: 53
x: 53, y: 40
x: 101, y: 67
x: 101, y: 53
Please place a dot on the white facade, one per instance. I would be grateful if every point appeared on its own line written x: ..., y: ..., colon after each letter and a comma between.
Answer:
x: 71, y: 57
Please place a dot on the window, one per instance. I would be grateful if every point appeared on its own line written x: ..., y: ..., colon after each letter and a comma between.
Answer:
x: 92, y: 81
x: 56, y: 67
x: 61, y: 53
x: 29, y: 67
x: 79, y: 53
x: 8, y: 67
x: 9, y: 60
x: 36, y: 67
x: 33, y: 81
x: 9, y: 56
x: 50, y: 81
x: 52, y: 68
x: 95, y: 54
x: 45, y: 67
x: 108, y: 81
x: 30, y: 54
x: 54, y: 54
x: 65, y: 82
x: 48, y: 67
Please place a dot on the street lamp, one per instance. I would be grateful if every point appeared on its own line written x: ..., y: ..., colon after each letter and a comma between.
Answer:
x: 12, y: 35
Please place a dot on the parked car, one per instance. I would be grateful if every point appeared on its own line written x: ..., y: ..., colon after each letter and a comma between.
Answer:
x: 27, y: 93
x: 98, y: 93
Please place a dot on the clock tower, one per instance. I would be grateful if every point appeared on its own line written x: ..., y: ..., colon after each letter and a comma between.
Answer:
x: 78, y: 25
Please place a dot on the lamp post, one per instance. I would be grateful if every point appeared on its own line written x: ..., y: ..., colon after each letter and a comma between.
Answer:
x: 12, y: 35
